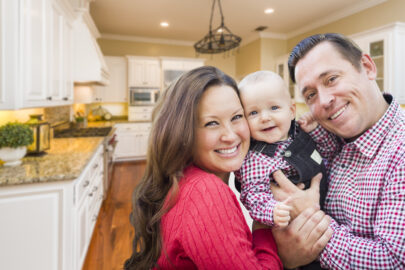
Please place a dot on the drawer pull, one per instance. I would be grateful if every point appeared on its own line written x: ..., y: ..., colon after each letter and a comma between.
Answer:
x: 86, y: 183
x: 91, y: 194
x: 95, y: 166
x: 94, y: 189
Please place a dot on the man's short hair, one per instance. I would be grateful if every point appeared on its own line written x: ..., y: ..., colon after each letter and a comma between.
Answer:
x: 345, y: 46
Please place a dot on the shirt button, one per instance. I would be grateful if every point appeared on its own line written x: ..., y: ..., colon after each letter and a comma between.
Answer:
x: 287, y: 153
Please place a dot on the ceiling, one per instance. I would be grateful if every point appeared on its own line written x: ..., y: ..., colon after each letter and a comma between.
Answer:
x: 189, y: 19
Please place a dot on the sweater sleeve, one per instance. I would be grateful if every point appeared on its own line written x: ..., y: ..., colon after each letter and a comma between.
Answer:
x: 216, y: 235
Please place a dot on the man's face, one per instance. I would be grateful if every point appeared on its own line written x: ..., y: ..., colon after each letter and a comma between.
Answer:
x: 339, y: 96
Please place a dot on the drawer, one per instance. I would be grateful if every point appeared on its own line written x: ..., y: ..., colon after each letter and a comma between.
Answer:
x: 140, y: 109
x: 85, y: 181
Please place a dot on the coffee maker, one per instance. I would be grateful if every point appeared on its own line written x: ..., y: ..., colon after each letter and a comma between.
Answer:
x: 41, y: 130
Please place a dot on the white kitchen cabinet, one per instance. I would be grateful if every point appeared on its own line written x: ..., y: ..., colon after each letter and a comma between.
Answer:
x: 140, y: 113
x: 36, y: 222
x: 173, y: 68
x: 132, y: 141
x: 143, y: 72
x: 88, y: 198
x: 50, y: 224
x: 35, y: 44
x: 282, y: 70
x: 386, y: 46
x: 117, y: 90
x: 88, y: 64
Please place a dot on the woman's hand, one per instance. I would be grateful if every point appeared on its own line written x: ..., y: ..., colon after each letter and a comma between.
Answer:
x: 300, y: 199
x: 307, y: 122
x: 304, y: 238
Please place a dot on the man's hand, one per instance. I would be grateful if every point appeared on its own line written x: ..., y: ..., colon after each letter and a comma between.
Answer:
x: 304, y: 238
x: 300, y: 199
x: 307, y: 122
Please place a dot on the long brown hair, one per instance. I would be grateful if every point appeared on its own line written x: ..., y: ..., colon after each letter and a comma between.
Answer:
x: 169, y: 153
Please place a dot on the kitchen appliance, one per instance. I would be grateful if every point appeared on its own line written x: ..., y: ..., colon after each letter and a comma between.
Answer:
x: 42, y: 131
x: 141, y: 96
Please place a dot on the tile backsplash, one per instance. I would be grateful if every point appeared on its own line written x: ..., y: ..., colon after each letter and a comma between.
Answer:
x: 55, y: 115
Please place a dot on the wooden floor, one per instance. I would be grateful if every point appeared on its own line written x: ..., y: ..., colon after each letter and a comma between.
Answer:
x: 112, y: 237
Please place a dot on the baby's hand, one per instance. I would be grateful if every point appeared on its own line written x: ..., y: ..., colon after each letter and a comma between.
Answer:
x: 307, y: 122
x: 281, y: 213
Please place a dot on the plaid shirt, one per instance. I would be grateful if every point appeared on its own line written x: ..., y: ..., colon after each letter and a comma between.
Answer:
x: 255, y: 176
x: 366, y: 196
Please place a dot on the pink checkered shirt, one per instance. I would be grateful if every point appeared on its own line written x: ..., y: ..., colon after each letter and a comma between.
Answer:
x: 255, y: 177
x: 366, y: 196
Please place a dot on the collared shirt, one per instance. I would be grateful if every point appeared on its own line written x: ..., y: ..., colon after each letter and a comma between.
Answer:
x: 366, y: 196
x: 255, y: 177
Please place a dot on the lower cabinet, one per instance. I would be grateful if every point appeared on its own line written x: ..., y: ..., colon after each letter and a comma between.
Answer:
x: 132, y: 141
x: 49, y: 225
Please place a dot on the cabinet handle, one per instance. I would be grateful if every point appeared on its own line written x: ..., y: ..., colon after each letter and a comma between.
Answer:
x: 95, y: 166
x: 49, y: 98
x: 86, y: 183
x: 65, y: 98
x: 91, y: 194
x: 94, y: 188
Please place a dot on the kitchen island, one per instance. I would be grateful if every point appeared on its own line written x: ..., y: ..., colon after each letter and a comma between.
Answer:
x: 65, y: 160
x: 49, y: 205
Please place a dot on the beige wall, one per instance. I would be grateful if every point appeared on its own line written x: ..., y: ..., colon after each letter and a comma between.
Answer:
x: 385, y: 13
x: 248, y: 59
x: 225, y: 62
x: 270, y: 50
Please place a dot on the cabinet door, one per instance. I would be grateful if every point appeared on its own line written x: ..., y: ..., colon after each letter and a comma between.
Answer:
x: 136, y: 73
x: 81, y: 236
x: 152, y: 73
x: 56, y: 51
x: 376, y: 45
x: 33, y: 224
x: 117, y: 90
x: 126, y: 146
x: 35, y: 26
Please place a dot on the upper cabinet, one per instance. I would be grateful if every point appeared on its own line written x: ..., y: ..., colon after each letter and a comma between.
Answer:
x: 143, y: 71
x: 386, y: 46
x: 88, y: 65
x: 282, y: 70
x: 117, y: 90
x: 35, y: 38
x: 173, y: 68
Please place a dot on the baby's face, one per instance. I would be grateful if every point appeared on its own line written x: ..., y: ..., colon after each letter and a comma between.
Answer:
x: 269, y: 111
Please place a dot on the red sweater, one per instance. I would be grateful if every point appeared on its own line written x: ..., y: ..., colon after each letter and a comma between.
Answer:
x: 206, y: 229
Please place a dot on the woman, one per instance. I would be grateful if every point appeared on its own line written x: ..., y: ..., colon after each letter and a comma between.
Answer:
x: 184, y: 214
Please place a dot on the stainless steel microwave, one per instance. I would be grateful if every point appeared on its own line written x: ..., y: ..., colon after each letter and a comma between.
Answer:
x: 141, y: 96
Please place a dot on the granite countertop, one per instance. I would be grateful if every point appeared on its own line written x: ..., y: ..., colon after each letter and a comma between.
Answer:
x: 65, y: 160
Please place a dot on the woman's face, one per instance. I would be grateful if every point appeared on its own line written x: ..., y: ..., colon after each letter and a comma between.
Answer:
x: 222, y: 132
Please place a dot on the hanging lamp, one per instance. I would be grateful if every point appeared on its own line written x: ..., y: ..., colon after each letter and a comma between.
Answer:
x: 217, y: 40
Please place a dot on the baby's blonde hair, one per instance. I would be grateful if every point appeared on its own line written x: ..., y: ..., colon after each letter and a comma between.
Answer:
x: 262, y: 76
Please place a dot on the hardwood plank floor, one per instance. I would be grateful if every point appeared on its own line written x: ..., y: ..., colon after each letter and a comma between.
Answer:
x: 111, y: 243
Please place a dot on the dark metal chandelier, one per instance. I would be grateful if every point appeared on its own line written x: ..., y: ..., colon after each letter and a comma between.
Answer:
x: 217, y: 40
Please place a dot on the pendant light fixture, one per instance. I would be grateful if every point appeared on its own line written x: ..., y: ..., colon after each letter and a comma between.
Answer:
x: 217, y: 40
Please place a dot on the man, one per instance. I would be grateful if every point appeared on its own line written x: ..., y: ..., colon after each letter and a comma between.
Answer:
x: 366, y: 162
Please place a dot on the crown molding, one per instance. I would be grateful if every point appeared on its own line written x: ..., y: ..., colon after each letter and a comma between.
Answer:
x: 355, y: 8
x: 146, y: 39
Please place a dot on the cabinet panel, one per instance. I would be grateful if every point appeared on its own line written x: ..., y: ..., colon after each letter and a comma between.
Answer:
x: 386, y: 46
x: 31, y: 225
x: 35, y: 23
x: 33, y: 44
x: 117, y: 90
x: 143, y: 72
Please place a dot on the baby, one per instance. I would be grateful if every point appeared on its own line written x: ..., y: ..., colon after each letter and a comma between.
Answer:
x: 277, y: 144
